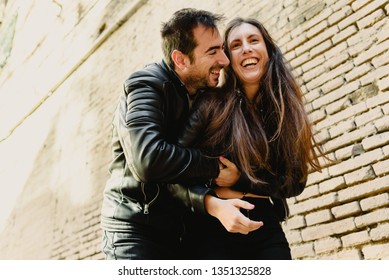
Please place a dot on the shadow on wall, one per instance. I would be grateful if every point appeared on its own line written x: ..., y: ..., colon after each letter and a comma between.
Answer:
x: 51, y: 186
x: 54, y: 165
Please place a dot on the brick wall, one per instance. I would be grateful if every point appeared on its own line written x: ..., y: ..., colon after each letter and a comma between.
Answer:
x: 62, y: 66
x: 340, y: 55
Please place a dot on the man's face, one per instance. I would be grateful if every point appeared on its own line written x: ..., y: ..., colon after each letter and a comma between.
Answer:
x: 208, y: 60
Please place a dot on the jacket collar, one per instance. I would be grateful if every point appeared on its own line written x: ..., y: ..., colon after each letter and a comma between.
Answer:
x: 173, y: 74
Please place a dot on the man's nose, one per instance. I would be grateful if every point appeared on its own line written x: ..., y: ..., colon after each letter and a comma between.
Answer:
x: 224, y: 61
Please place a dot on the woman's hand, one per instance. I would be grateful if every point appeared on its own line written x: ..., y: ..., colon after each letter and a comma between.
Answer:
x: 229, y: 173
x: 228, y: 213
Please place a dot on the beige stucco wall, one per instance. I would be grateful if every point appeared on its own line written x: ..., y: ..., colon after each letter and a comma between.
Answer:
x: 62, y: 65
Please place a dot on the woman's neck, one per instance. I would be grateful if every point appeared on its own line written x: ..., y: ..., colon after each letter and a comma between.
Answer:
x: 251, y: 91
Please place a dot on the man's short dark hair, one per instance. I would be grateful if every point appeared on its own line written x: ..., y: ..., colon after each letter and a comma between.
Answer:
x: 177, y: 33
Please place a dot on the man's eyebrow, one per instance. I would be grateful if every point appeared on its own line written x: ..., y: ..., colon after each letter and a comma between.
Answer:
x: 213, y: 48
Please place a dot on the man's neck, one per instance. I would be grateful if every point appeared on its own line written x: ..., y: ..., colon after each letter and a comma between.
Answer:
x: 192, y: 91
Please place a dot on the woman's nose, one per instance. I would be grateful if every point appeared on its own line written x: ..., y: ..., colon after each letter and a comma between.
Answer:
x: 246, y: 47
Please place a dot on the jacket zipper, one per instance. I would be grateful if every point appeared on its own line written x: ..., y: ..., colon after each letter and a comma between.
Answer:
x: 147, y: 204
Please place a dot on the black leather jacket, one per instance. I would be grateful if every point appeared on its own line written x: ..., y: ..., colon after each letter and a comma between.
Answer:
x: 150, y: 113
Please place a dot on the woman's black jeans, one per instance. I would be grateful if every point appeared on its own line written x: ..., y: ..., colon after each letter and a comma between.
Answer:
x: 206, y: 238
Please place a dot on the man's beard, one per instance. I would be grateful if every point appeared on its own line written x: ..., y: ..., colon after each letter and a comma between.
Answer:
x: 198, y: 82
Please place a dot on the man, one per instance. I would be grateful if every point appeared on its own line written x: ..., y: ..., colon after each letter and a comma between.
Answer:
x: 141, y: 216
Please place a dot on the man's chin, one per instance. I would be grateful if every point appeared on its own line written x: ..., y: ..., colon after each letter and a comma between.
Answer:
x: 213, y: 84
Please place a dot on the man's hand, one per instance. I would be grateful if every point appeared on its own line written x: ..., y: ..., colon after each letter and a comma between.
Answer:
x: 228, y: 213
x: 229, y: 173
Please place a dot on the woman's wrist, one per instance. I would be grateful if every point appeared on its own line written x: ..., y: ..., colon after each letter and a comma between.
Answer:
x: 211, y: 205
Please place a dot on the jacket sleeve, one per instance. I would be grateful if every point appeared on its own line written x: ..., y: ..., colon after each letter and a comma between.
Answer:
x: 192, y: 196
x: 190, y: 136
x: 151, y: 158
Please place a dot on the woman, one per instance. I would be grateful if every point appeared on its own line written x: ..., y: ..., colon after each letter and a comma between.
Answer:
x: 257, y: 120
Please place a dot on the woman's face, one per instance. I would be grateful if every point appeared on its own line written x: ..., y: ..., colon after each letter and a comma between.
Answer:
x: 248, y: 53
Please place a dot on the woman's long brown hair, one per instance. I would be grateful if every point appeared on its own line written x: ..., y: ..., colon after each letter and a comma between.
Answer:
x: 273, y: 132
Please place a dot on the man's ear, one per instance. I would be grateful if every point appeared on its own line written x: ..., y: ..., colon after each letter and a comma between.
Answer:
x: 179, y: 59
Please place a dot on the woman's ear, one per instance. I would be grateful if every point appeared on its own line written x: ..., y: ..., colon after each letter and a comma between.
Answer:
x: 179, y: 59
